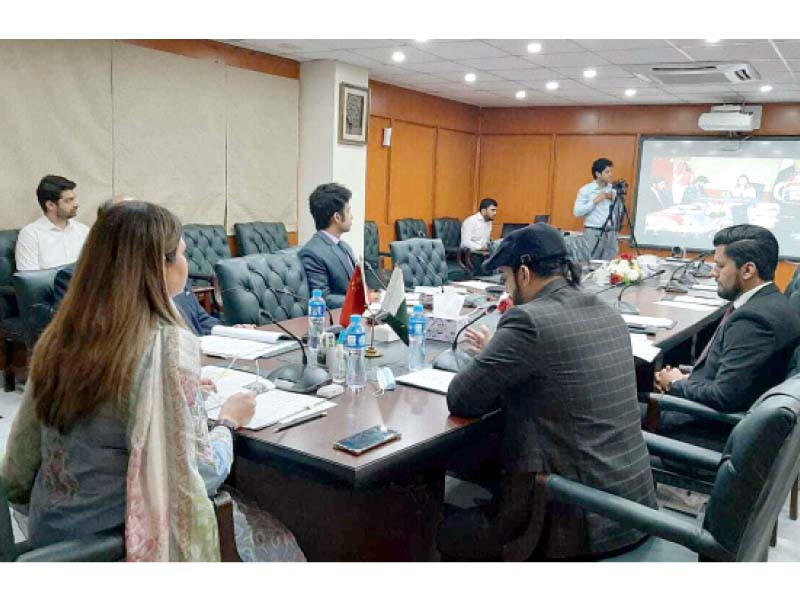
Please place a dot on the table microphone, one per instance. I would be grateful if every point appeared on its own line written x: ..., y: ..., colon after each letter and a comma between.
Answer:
x: 675, y: 286
x: 378, y: 277
x: 627, y: 308
x: 304, y: 377
x: 453, y: 359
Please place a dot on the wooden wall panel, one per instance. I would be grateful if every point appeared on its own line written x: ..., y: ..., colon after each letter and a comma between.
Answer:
x: 411, y: 172
x: 415, y: 107
x: 574, y: 155
x: 455, y: 174
x: 515, y: 171
x: 378, y: 179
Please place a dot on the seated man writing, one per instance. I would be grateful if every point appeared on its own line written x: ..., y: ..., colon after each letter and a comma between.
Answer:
x: 560, y: 367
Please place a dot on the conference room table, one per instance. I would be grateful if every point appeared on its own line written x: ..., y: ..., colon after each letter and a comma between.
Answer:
x: 387, y: 503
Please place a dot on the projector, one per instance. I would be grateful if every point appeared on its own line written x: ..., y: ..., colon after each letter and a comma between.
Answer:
x: 731, y: 118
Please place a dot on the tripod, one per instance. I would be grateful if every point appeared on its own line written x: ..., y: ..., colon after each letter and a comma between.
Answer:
x: 617, y: 205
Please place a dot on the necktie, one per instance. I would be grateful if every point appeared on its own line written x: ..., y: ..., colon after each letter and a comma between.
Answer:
x: 724, y: 320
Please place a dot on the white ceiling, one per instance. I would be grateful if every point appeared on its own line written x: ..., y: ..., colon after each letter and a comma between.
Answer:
x: 504, y: 67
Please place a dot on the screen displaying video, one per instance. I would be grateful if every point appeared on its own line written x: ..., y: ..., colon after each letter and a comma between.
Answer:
x: 688, y: 189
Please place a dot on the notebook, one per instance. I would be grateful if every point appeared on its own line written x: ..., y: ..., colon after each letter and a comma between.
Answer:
x: 248, y: 344
x: 432, y: 380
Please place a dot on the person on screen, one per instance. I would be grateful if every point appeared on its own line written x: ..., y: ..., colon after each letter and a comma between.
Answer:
x: 750, y: 350
x: 744, y: 189
x: 569, y: 407
x: 594, y: 202
x: 659, y: 195
x: 681, y: 178
x: 697, y: 191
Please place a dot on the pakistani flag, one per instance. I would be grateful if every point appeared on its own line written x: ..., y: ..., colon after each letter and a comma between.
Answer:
x: 394, y: 305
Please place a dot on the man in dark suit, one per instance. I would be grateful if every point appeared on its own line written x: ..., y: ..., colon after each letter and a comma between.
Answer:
x: 751, y: 348
x: 560, y: 366
x: 328, y: 260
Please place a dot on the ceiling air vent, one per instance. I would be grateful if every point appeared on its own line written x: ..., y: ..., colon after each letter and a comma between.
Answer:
x: 700, y: 73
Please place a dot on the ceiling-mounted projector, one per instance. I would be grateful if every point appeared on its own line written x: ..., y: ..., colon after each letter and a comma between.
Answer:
x: 731, y: 118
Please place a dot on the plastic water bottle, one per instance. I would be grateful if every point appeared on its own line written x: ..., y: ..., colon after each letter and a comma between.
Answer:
x: 338, y: 362
x: 316, y: 321
x: 356, y: 345
x: 416, y: 339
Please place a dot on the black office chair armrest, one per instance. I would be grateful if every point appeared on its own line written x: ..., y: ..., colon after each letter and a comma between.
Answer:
x: 694, y: 409
x: 694, y: 456
x: 106, y: 546
x: 636, y: 516
x: 209, y: 278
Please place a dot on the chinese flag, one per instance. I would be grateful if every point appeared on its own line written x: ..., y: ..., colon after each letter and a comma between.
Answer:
x: 355, y: 302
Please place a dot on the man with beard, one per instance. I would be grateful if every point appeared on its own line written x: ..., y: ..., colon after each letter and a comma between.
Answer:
x: 55, y: 238
x: 561, y: 368
x: 750, y: 350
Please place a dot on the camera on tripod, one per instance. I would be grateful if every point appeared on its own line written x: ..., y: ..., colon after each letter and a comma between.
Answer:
x: 620, y: 187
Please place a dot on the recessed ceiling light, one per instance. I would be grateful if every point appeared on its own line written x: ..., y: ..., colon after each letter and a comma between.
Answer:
x: 765, y: 88
x: 630, y: 92
x: 421, y: 40
x: 534, y: 47
x: 712, y: 41
x: 552, y: 85
x: 398, y: 56
x: 590, y: 73
x: 520, y: 94
x: 470, y: 77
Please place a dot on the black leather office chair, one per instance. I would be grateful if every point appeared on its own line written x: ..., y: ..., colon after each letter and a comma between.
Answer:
x: 260, y: 237
x: 792, y: 290
x: 105, y: 546
x: 407, y: 229
x: 421, y: 260
x: 10, y: 321
x: 578, y: 249
x: 374, y: 256
x: 511, y: 227
x: 249, y: 288
x: 448, y: 229
x: 36, y: 298
x: 205, y: 245
x: 541, y: 219
x: 753, y: 475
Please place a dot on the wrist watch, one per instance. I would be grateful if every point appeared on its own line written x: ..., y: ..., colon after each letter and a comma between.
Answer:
x: 226, y: 423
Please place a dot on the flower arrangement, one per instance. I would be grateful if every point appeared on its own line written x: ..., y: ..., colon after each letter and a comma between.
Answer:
x: 624, y: 268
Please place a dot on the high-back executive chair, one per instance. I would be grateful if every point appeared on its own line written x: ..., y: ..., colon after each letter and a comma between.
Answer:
x: 421, y: 260
x: 260, y: 237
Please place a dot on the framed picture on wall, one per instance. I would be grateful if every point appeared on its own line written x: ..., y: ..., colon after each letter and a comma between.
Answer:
x: 353, y: 114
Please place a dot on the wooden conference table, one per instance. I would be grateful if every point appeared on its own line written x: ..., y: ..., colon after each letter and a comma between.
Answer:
x: 387, y: 503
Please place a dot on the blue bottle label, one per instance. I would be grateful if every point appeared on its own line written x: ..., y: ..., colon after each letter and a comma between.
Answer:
x: 356, y: 339
x: 316, y: 310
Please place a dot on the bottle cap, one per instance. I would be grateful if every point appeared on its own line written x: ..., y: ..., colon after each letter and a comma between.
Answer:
x: 355, y: 319
x: 419, y: 309
x: 316, y: 294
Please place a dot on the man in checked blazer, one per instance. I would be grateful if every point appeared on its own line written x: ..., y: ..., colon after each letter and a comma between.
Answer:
x: 560, y: 367
x: 328, y: 260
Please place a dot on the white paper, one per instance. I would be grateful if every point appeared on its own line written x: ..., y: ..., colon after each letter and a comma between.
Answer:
x: 278, y: 405
x: 254, y: 335
x: 700, y: 300
x: 231, y: 381
x: 660, y: 322
x: 225, y: 347
x: 428, y: 379
x: 643, y: 348
x: 704, y: 287
x: 474, y: 284
x: 433, y: 290
x: 317, y: 408
x: 685, y: 305
x: 447, y: 306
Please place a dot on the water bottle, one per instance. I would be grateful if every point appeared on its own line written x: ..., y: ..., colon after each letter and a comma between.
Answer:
x: 416, y: 339
x: 356, y: 345
x: 338, y: 361
x: 316, y: 321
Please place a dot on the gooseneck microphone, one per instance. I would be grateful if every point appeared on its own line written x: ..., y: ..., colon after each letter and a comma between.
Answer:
x: 303, y: 378
x: 674, y: 285
x: 626, y: 308
x: 377, y: 277
x: 453, y: 359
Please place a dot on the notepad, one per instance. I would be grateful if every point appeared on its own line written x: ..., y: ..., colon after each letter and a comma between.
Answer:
x: 474, y: 284
x: 643, y: 348
x: 704, y: 287
x: 432, y: 380
x: 253, y: 335
x: 248, y: 344
x: 685, y: 305
x: 660, y: 322
x: 697, y: 300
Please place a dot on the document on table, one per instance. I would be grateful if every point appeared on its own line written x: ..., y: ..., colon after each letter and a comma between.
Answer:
x: 227, y: 347
x: 697, y: 300
x: 432, y: 290
x: 432, y: 380
x: 474, y: 284
x: 660, y: 322
x: 685, y: 305
x: 704, y: 287
x: 643, y: 348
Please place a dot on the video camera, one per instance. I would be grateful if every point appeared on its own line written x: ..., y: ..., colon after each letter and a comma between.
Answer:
x: 621, y: 187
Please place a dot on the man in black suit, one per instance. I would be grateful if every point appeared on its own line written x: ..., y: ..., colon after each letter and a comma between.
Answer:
x: 328, y: 260
x: 561, y: 368
x: 750, y: 350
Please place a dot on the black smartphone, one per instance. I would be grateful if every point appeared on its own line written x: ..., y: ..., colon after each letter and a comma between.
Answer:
x: 367, y: 440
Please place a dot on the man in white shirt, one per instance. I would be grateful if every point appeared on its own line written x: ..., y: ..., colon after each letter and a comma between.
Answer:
x: 54, y: 239
x: 476, y: 231
x: 594, y: 202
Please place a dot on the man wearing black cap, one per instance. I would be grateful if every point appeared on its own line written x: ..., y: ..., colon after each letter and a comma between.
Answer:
x: 561, y: 368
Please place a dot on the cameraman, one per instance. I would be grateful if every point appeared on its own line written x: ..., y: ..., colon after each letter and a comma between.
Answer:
x: 594, y: 202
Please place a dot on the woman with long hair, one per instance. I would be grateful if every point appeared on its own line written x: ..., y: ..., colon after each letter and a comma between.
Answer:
x: 112, y: 429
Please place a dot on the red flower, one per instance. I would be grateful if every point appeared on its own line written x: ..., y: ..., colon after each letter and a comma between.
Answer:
x: 504, y: 305
x: 615, y: 279
x: 628, y: 257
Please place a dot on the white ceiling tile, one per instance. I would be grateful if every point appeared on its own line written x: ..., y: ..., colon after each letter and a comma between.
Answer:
x: 384, y: 55
x: 603, y: 72
x: 697, y: 89
x: 568, y: 59
x: 500, y: 85
x: 617, y: 83
x: 387, y: 71
x: 621, y: 44
x: 353, y: 44
x: 769, y: 66
x: 412, y: 78
x: 441, y: 66
x: 739, y: 52
x: 289, y: 45
x: 497, y: 63
x: 520, y: 47
x: 460, y: 50
x: 527, y: 74
x: 789, y: 50
x: 794, y: 65
x: 643, y: 57
x: 340, y: 55
x: 691, y: 43
x: 459, y: 75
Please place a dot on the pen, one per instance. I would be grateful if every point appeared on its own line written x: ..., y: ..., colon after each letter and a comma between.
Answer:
x: 296, y: 422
